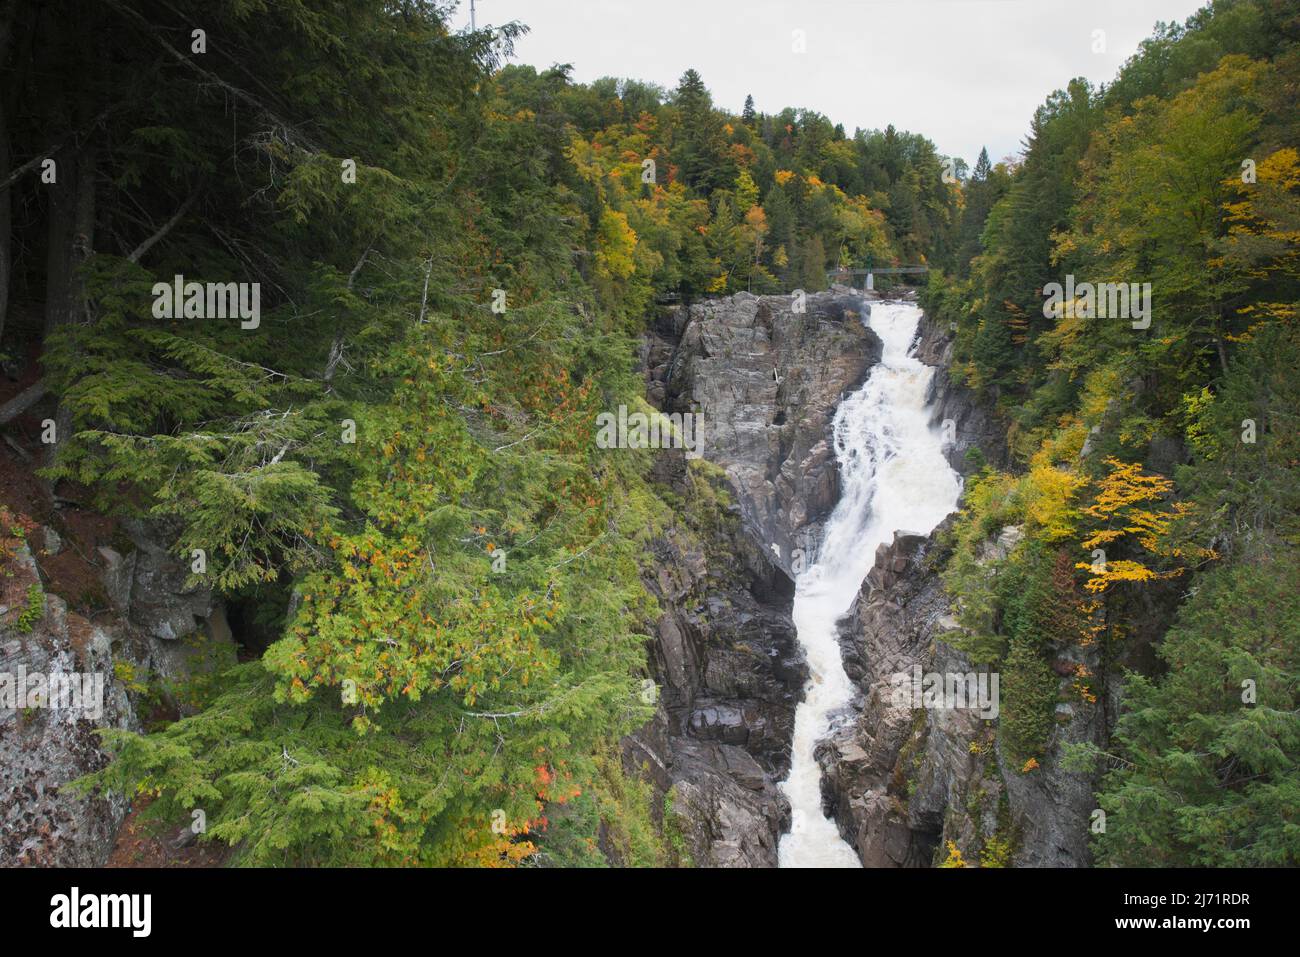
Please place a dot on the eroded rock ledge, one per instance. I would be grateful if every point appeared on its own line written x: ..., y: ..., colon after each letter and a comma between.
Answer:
x: 729, y: 671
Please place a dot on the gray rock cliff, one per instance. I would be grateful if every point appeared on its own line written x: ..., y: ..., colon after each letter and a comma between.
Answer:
x: 767, y: 379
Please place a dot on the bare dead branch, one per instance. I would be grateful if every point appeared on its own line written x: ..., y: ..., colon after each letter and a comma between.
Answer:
x: 22, y: 401
x: 162, y: 231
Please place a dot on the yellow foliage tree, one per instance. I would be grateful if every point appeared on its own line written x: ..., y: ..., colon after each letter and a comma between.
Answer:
x: 1123, y: 509
x: 615, y: 245
x: 1048, y: 492
x: 1263, y: 241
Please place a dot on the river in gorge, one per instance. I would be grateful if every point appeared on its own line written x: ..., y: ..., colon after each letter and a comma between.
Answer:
x: 893, y: 477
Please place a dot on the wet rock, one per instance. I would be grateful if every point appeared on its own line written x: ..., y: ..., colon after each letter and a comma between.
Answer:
x: 899, y: 781
x: 972, y: 421
x: 725, y: 655
x: 729, y: 673
x: 729, y: 811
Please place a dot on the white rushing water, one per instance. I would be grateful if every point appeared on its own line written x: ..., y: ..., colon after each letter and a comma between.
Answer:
x: 893, y: 476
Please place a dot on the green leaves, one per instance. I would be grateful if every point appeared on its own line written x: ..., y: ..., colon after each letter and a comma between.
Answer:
x: 1211, y: 769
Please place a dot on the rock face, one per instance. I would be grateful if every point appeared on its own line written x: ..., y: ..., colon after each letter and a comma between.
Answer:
x: 158, y: 633
x: 150, y: 587
x: 729, y: 672
x: 48, y: 741
x: 768, y: 379
x: 973, y: 423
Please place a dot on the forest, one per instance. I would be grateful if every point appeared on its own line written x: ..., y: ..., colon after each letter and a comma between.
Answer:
x: 392, y: 470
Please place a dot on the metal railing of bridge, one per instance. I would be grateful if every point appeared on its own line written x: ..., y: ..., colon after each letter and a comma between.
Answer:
x: 842, y: 275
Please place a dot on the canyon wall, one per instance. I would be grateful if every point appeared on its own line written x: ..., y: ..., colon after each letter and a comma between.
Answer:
x: 767, y: 373
x: 902, y: 783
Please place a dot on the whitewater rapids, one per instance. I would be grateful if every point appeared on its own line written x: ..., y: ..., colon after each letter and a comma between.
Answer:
x: 893, y: 476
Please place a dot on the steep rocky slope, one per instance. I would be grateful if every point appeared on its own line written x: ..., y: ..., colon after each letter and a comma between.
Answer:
x: 901, y: 782
x: 729, y: 671
x: 972, y: 423
x: 768, y: 373
x: 43, y: 747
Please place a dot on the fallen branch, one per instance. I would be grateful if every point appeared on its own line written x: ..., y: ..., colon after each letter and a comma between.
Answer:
x: 166, y: 228
x: 22, y: 401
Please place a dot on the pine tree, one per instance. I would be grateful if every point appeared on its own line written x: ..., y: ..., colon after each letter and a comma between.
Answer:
x: 812, y: 271
x: 702, y: 151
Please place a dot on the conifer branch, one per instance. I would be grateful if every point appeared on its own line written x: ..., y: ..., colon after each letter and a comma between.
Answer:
x: 211, y: 77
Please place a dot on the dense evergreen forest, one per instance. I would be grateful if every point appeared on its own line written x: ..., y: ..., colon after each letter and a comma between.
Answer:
x: 393, y: 468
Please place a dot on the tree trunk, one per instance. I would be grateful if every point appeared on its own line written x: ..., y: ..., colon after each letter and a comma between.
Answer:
x: 58, y: 241
x: 6, y: 224
x: 72, y: 211
x: 8, y: 9
x: 71, y: 236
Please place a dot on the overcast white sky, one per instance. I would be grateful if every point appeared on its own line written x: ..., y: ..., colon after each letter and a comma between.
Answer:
x: 965, y: 73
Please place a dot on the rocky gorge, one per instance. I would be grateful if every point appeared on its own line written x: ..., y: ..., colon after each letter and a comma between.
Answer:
x: 902, y: 784
x: 767, y: 373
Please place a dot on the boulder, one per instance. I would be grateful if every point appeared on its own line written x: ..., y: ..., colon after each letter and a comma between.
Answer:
x: 44, y: 747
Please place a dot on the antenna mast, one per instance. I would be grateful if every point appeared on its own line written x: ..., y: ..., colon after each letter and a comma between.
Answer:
x: 473, y: 25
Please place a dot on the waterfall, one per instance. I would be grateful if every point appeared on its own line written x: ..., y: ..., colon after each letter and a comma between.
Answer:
x: 893, y: 476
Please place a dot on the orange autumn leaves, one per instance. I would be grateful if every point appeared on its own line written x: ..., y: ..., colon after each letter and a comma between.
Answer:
x: 505, y: 843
